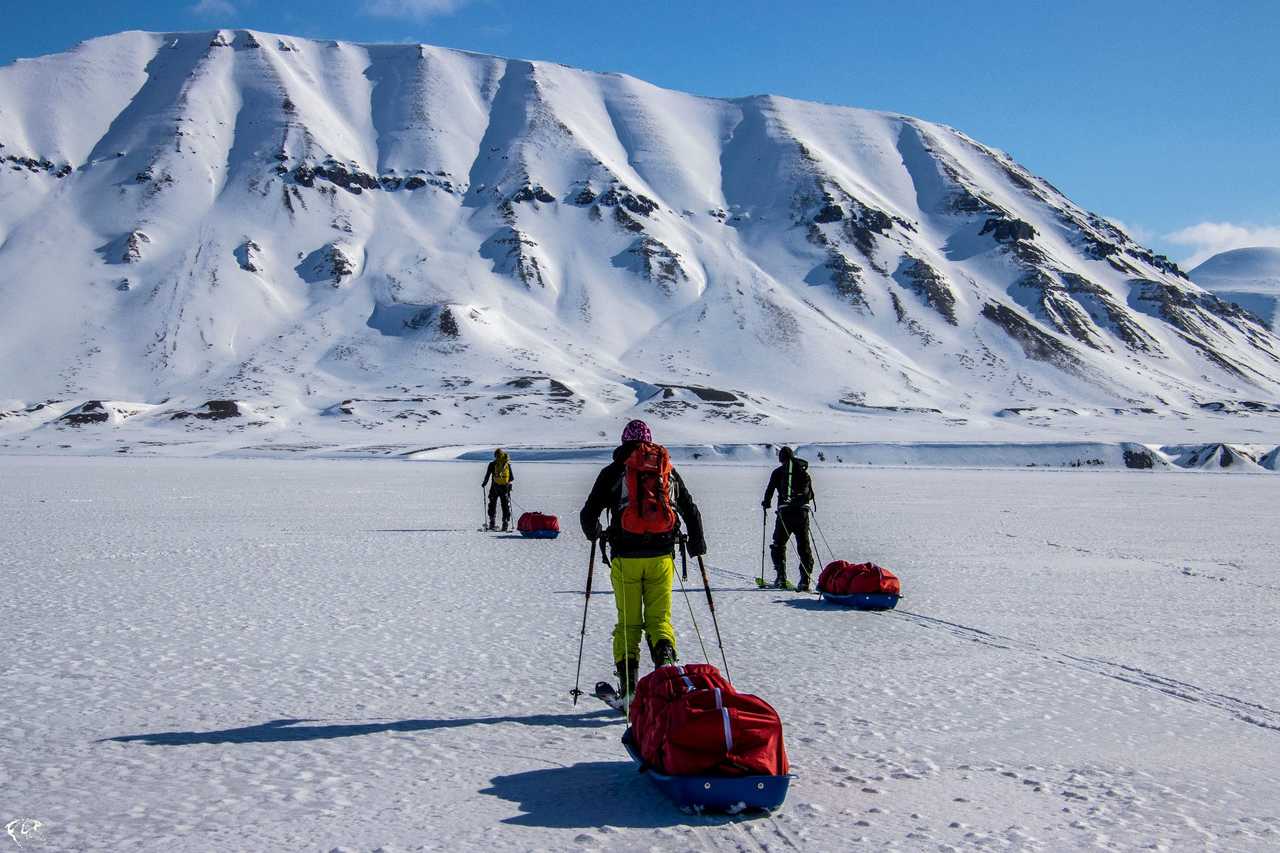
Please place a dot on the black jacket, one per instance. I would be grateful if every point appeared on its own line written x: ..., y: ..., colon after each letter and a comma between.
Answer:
x: 606, y: 494
x: 793, y: 484
x: 489, y: 472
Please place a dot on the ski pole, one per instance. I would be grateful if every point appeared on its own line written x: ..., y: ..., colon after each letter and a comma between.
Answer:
x: 693, y: 620
x: 684, y: 558
x: 830, y: 553
x: 484, y: 509
x: 577, y: 679
x: 711, y: 604
x: 764, y: 527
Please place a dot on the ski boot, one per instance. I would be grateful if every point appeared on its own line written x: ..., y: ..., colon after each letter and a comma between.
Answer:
x: 803, y: 586
x: 627, y: 670
x: 780, y: 582
x: 664, y: 654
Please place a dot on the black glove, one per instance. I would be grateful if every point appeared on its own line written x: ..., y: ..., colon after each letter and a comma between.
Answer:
x: 697, y: 547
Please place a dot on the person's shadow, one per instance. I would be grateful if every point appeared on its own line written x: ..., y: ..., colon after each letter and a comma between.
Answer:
x: 290, y: 730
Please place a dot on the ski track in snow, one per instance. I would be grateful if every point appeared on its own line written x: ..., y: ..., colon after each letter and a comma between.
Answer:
x: 251, y: 654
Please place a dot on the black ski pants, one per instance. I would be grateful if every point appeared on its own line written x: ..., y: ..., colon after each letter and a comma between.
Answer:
x: 792, y: 521
x: 500, y: 493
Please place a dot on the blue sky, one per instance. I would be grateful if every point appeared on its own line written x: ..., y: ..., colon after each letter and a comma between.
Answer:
x: 1163, y: 115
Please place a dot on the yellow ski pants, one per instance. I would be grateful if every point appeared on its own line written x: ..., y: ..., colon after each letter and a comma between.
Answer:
x: 642, y: 593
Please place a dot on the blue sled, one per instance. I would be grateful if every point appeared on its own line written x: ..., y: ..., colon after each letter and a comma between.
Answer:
x: 863, y: 600
x: 731, y: 794
x: 540, y: 534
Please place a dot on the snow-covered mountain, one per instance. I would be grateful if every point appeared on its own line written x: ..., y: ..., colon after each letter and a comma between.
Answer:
x: 1249, y: 277
x: 238, y: 228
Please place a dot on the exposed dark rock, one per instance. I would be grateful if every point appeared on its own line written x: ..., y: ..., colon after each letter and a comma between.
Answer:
x: 857, y: 404
x: 1035, y: 343
x: 1099, y: 249
x: 213, y: 410
x: 1106, y: 311
x: 929, y: 284
x: 639, y: 204
x: 447, y: 323
x: 1160, y: 262
x: 219, y: 41
x: 1055, y: 304
x: 1240, y: 407
x: 876, y: 220
x: 655, y: 261
x: 1139, y: 458
x: 305, y: 175
x: 414, y: 183
x: 91, y: 412
x: 352, y: 180
x: 512, y: 253
x: 707, y: 395
x: 123, y: 285
x: 1006, y: 230
x: 130, y: 251
x: 36, y: 164
x: 289, y: 106
x: 247, y: 256
x: 844, y: 275
x: 625, y: 219
x: 584, y: 197
x: 829, y: 213
x: 329, y: 264
x: 533, y: 192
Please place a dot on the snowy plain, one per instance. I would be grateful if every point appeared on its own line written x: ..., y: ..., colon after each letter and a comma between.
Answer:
x: 239, y: 654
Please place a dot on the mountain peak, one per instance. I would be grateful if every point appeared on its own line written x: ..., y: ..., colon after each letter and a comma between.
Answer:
x: 403, y: 237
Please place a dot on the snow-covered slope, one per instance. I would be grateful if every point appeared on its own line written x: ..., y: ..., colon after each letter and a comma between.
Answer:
x: 1249, y: 277
x: 333, y: 237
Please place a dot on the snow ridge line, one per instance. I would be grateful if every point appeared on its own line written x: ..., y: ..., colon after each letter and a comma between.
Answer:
x: 1244, y: 710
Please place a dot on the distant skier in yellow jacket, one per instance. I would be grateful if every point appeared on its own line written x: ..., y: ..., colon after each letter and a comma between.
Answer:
x: 500, y: 475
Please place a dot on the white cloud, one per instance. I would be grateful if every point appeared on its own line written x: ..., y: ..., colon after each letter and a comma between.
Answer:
x: 214, y: 8
x: 1206, y: 239
x: 412, y: 9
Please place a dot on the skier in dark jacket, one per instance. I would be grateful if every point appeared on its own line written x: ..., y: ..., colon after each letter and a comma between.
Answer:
x: 794, y: 486
x: 499, y: 472
x: 643, y: 532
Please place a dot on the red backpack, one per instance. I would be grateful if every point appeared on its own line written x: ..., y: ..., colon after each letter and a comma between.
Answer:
x: 646, y: 491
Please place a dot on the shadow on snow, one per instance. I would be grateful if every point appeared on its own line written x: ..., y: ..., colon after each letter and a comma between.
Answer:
x: 284, y: 731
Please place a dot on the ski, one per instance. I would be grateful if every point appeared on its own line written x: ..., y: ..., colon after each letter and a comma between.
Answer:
x: 608, y: 694
x: 762, y: 584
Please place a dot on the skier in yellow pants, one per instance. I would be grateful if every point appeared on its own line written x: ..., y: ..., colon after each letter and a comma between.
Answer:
x: 643, y: 493
x: 642, y: 591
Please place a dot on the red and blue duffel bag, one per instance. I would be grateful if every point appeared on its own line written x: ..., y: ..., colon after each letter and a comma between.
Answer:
x: 864, y: 586
x: 537, y: 525
x: 689, y: 721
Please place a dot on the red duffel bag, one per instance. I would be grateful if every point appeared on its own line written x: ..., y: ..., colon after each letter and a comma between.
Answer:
x: 844, y: 578
x: 688, y: 720
x: 537, y: 522
x: 655, y: 693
